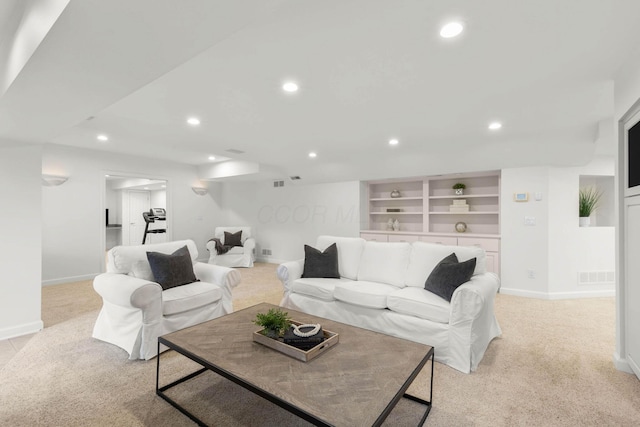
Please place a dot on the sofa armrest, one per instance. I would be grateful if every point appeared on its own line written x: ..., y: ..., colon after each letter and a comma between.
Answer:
x: 249, y: 244
x: 225, y: 277
x: 127, y: 291
x: 474, y: 296
x: 288, y: 272
x: 211, y: 247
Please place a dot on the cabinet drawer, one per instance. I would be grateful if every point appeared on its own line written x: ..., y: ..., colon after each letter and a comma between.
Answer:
x: 489, y: 245
x: 440, y: 240
x: 403, y: 238
x: 374, y: 237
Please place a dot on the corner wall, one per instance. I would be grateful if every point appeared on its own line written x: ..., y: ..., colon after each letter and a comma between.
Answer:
x: 73, y: 213
x: 546, y: 260
x: 21, y: 231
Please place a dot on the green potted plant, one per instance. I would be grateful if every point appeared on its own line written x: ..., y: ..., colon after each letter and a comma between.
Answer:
x: 274, y: 322
x: 588, y: 202
x: 459, y: 187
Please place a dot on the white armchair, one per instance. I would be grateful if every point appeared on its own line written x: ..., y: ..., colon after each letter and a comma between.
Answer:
x: 136, y: 310
x: 238, y: 256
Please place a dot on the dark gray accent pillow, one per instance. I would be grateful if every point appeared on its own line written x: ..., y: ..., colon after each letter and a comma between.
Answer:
x: 448, y: 275
x: 321, y: 264
x: 172, y: 270
x: 233, y: 239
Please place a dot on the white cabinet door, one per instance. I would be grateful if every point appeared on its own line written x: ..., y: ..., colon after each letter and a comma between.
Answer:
x: 632, y: 281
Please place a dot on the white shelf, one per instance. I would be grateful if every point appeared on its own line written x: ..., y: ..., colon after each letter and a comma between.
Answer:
x: 396, y: 213
x: 463, y: 213
x: 386, y: 199
x: 464, y: 196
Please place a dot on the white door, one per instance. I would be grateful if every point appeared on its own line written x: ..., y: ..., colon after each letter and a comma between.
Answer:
x: 632, y: 281
x: 134, y: 203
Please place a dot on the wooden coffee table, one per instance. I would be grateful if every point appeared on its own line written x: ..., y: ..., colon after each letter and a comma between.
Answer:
x: 356, y: 382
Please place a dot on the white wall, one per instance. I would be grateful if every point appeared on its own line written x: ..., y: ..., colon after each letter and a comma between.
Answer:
x: 21, y: 231
x: 73, y: 215
x: 524, y: 248
x: 556, y: 249
x: 286, y: 218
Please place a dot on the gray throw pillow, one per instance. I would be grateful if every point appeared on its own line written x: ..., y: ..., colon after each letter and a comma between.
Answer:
x: 172, y: 270
x: 233, y: 239
x: 448, y: 275
x: 321, y: 264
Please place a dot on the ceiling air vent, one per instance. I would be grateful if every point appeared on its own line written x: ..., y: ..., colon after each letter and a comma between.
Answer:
x: 278, y: 183
x: 234, y: 151
x: 294, y: 178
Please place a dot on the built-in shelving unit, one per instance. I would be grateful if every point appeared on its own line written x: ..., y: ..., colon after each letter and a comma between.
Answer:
x: 423, y: 211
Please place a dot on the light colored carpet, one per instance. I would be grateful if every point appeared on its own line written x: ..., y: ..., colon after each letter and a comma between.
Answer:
x: 551, y: 367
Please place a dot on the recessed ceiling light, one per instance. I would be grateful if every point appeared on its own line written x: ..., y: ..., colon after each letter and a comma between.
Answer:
x: 212, y: 157
x: 393, y: 141
x: 193, y: 121
x: 312, y: 155
x: 451, y: 29
x: 495, y: 125
x: 164, y: 186
x: 146, y: 188
x: 102, y: 137
x: 107, y: 176
x: 290, y: 87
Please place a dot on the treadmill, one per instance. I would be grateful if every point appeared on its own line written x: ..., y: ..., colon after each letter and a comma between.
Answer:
x: 154, y: 214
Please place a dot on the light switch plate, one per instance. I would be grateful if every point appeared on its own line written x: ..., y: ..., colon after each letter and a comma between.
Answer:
x: 529, y: 220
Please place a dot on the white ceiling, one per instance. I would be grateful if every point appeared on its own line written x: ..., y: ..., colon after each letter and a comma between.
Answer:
x: 368, y: 70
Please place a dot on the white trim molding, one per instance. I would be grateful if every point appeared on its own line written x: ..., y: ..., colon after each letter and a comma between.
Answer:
x: 19, y: 330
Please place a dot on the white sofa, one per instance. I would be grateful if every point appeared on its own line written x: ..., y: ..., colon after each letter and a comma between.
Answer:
x: 136, y: 310
x: 238, y: 256
x: 381, y: 288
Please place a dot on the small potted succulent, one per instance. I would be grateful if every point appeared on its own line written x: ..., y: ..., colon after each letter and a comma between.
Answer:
x: 274, y: 322
x: 459, y: 187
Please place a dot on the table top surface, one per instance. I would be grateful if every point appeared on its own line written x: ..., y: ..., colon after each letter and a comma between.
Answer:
x: 349, y: 384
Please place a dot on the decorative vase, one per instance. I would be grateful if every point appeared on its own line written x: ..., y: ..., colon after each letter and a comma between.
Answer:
x: 585, y: 221
x: 459, y: 191
x: 461, y: 227
x: 395, y: 194
x: 390, y: 224
x: 396, y: 225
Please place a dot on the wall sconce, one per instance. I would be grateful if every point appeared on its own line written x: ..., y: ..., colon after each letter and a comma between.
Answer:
x: 53, y: 180
x: 200, y: 191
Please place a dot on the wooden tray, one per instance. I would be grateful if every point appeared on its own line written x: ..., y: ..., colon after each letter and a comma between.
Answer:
x: 330, y: 339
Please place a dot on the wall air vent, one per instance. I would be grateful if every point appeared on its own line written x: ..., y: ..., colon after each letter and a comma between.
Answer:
x: 278, y: 183
x: 234, y: 151
x: 596, y: 278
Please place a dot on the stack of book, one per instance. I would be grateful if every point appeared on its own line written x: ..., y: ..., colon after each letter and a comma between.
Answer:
x: 459, y: 205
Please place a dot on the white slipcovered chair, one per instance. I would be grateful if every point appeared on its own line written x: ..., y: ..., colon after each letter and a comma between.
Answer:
x: 238, y: 256
x: 136, y: 310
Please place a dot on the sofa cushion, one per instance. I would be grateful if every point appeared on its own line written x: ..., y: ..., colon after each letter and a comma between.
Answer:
x: 170, y: 270
x: 366, y: 294
x: 321, y: 263
x: 218, y: 233
x: 425, y: 256
x: 349, y: 253
x: 121, y: 259
x: 188, y: 297
x: 385, y: 262
x: 420, y: 303
x: 448, y: 275
x: 317, y: 288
